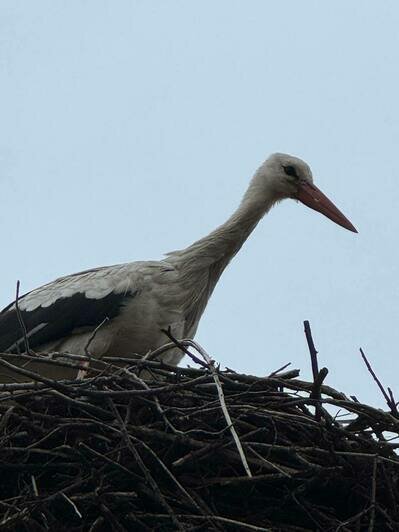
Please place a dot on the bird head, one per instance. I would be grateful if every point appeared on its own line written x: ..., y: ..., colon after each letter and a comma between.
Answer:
x: 290, y: 177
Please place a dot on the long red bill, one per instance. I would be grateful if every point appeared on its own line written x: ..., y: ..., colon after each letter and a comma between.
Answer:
x: 314, y: 198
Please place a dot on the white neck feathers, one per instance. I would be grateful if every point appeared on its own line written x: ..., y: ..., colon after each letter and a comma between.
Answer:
x: 224, y: 242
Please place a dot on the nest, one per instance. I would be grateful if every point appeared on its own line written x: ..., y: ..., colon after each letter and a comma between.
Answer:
x: 193, y: 449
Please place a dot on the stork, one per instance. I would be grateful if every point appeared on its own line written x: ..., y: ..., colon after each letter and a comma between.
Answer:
x: 135, y: 301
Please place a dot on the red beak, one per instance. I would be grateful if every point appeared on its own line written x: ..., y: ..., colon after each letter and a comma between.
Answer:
x: 310, y: 195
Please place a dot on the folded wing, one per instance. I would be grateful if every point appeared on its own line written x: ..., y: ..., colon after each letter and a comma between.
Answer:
x: 68, y: 305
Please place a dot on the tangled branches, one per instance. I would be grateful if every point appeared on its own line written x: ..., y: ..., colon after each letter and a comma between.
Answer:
x: 193, y: 449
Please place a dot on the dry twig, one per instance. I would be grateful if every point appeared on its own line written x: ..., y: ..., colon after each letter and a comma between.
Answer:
x: 389, y: 398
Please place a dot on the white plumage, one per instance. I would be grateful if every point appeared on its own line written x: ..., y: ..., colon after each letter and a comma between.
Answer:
x: 135, y: 301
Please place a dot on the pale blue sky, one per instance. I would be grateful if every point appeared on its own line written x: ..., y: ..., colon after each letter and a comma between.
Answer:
x: 131, y: 128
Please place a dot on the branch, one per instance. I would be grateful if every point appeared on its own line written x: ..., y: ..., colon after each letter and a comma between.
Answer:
x: 21, y: 321
x: 318, y: 376
x: 390, y: 400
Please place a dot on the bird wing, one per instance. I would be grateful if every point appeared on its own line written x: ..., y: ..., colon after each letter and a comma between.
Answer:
x: 67, y: 304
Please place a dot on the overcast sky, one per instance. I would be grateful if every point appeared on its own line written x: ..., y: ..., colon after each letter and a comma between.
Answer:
x: 132, y: 128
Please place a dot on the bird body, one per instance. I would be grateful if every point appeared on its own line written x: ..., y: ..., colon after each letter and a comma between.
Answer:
x: 62, y: 315
x: 128, y: 305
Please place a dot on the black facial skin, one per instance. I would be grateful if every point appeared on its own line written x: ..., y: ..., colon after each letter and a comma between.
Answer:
x: 291, y: 171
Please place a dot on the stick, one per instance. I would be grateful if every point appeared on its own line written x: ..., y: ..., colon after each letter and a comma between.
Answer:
x: 20, y: 319
x: 83, y: 372
x: 86, y: 349
x: 373, y: 495
x: 312, y: 349
x: 389, y: 400
x: 318, y: 376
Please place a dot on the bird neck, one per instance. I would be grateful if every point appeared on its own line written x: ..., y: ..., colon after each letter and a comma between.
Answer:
x: 201, y: 264
x: 220, y: 246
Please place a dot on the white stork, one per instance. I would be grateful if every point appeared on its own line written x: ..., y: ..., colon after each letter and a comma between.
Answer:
x: 142, y: 298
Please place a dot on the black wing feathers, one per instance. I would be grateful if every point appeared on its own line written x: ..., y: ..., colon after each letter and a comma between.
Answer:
x: 57, y: 320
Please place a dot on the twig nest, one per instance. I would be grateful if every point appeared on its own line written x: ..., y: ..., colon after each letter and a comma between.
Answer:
x: 115, y: 452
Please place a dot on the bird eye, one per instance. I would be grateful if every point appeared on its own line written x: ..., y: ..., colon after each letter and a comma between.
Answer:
x: 291, y: 171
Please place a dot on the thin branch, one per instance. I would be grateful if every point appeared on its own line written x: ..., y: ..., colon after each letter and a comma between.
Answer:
x: 93, y: 335
x: 373, y: 495
x: 312, y: 349
x: 388, y: 398
x: 83, y: 371
x: 279, y: 370
x: 20, y: 319
x: 318, y: 376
